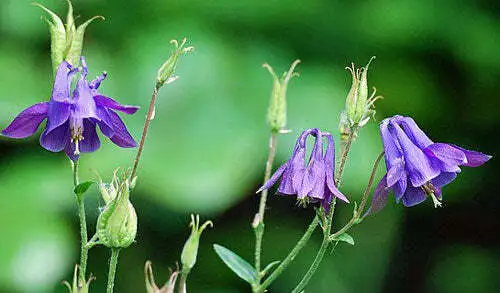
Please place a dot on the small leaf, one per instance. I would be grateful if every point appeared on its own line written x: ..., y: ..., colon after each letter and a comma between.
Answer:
x: 237, y: 264
x: 269, y: 266
x: 346, y: 238
x: 83, y: 187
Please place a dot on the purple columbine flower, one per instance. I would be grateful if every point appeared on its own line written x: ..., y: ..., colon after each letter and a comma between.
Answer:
x: 72, y: 117
x: 416, y: 166
x: 313, y: 180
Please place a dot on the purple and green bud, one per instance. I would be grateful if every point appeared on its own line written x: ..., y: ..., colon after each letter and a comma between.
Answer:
x: 276, y: 115
x: 166, y: 72
x: 117, y: 223
x: 151, y: 286
x: 359, y: 104
x: 79, y: 284
x: 190, y: 250
x: 66, y: 40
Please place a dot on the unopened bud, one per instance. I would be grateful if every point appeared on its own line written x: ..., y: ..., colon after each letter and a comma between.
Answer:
x: 359, y: 107
x: 276, y: 115
x: 117, y: 223
x: 190, y: 250
x: 66, y: 40
x: 166, y: 72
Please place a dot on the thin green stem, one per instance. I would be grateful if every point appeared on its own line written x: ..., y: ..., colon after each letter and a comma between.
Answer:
x: 83, y: 224
x: 326, y: 230
x: 290, y: 257
x: 357, y: 215
x: 182, y: 283
x: 149, y: 118
x: 113, y: 262
x: 258, y: 223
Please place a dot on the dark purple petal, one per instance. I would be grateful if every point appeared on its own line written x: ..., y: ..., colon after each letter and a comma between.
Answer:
x: 121, y: 136
x: 90, y: 142
x: 400, y: 187
x: 379, y: 199
x: 417, y: 164
x: 474, y: 159
x: 314, y: 176
x: 443, y: 179
x: 58, y: 114
x: 286, y: 184
x: 446, y: 157
x: 70, y: 152
x: 330, y: 168
x: 104, y: 101
x: 57, y: 139
x: 416, y: 135
x: 413, y: 196
x: 273, y: 178
x: 27, y: 122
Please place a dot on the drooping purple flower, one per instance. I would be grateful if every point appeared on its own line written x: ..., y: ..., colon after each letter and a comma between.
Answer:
x: 416, y: 166
x: 313, y: 180
x: 72, y: 117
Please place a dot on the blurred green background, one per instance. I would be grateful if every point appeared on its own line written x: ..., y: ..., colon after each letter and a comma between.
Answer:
x: 438, y: 61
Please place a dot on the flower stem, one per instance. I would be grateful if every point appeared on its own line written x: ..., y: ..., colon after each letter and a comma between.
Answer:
x: 182, y: 283
x: 112, y: 269
x: 258, y: 224
x: 149, y: 118
x: 326, y: 230
x: 83, y: 224
x: 290, y: 257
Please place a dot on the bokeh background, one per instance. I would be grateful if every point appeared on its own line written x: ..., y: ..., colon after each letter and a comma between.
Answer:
x: 438, y: 61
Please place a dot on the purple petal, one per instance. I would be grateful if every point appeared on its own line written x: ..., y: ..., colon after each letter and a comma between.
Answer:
x: 121, y: 137
x: 443, y: 179
x: 94, y: 84
x: 330, y: 168
x: 90, y: 142
x: 395, y: 173
x: 379, y: 199
x: 58, y: 114
x: 62, y: 82
x: 85, y: 106
x: 413, y: 196
x: 112, y: 104
x: 446, y: 157
x: 416, y: 135
x: 474, y: 159
x: 70, y: 152
x: 400, y: 187
x: 57, y: 139
x: 314, y: 176
x: 286, y: 184
x: 417, y: 164
x: 393, y: 153
x: 274, y: 178
x: 27, y: 122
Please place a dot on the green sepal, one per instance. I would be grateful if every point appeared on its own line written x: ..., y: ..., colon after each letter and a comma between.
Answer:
x: 74, y: 49
x: 238, y: 265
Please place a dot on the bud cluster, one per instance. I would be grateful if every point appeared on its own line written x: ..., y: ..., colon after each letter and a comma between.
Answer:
x: 166, y: 72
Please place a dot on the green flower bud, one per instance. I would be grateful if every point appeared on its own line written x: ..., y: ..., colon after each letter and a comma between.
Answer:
x: 117, y: 223
x: 151, y: 286
x: 276, y: 115
x: 190, y: 250
x: 166, y: 72
x: 359, y: 107
x: 79, y: 285
x: 66, y: 40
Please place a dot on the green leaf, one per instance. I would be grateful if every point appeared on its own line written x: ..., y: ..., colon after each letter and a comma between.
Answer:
x: 346, y: 238
x: 237, y: 264
x: 83, y: 187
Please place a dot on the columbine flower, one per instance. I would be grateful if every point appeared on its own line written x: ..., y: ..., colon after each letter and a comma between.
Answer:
x: 416, y: 166
x: 311, y: 182
x: 72, y: 117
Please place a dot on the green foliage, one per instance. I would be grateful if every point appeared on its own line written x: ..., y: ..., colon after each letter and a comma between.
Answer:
x: 81, y: 188
x: 237, y: 264
x: 345, y: 238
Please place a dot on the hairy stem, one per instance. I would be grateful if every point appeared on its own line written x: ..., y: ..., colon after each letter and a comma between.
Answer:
x: 290, y: 257
x: 113, y: 262
x: 83, y: 224
x: 149, y: 117
x: 357, y: 215
x: 182, y: 283
x: 314, y: 266
x: 259, y: 218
